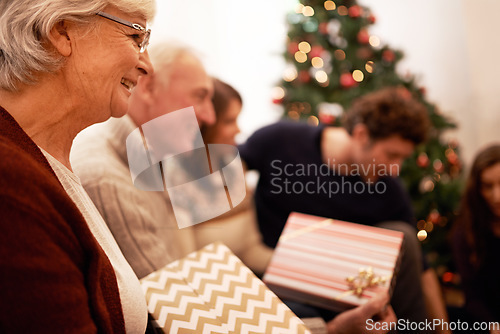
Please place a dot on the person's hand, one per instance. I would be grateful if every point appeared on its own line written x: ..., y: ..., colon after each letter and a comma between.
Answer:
x: 495, y: 331
x: 355, y: 321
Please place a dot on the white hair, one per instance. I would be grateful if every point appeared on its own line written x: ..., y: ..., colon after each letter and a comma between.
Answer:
x: 165, y: 55
x: 26, y: 24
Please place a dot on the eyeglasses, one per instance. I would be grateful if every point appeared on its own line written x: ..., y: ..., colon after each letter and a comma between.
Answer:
x: 143, y: 44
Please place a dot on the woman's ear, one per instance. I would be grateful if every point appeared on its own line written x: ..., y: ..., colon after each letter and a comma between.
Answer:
x: 60, y: 39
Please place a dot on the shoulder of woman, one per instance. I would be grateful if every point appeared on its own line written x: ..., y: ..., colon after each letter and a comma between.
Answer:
x: 31, y: 189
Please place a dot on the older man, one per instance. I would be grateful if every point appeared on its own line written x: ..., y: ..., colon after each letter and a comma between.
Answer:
x: 142, y: 222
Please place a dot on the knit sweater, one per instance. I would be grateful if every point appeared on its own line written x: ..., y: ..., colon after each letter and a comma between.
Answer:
x: 142, y: 222
x: 54, y: 276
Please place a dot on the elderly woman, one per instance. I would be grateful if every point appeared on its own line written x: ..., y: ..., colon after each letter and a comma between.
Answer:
x: 64, y: 65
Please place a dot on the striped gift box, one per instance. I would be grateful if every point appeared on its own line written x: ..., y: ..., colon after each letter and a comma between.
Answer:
x: 212, y: 291
x: 315, y: 256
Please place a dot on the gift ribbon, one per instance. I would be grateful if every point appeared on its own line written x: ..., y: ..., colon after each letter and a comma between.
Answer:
x: 305, y: 230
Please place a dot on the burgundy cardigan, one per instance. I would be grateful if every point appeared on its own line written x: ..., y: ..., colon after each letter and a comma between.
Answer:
x: 54, y: 276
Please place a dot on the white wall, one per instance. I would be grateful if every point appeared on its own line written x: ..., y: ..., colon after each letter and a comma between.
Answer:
x: 241, y: 43
x: 451, y: 45
x: 483, y: 49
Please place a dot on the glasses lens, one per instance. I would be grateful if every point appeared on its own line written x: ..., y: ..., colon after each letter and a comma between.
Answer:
x: 145, y: 42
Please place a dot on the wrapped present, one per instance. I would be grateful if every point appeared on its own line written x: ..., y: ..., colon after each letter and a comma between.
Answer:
x: 212, y: 291
x: 333, y: 264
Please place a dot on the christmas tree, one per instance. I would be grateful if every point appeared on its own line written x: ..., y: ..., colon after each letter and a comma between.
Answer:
x: 331, y: 60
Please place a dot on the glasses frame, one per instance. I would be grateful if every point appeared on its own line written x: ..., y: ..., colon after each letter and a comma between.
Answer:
x: 147, y: 32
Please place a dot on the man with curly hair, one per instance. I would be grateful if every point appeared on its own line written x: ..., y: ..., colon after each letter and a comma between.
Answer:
x: 347, y: 173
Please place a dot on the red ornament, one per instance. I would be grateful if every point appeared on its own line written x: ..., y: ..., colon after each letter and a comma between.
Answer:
x: 293, y: 47
x: 423, y: 160
x: 371, y: 19
x: 363, y: 36
x: 355, y: 11
x: 448, y: 277
x: 452, y: 157
x: 278, y: 101
x: 326, y: 118
x: 316, y: 51
x: 304, y: 76
x: 434, y: 217
x: 388, y: 56
x: 347, y: 81
x: 323, y: 28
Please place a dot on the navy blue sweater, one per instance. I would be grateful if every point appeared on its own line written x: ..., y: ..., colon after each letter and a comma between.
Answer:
x: 293, y: 177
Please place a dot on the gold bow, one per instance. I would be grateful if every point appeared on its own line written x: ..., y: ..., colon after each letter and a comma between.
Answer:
x: 365, y: 279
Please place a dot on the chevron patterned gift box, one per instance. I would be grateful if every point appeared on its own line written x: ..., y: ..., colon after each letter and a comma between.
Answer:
x: 212, y: 291
x: 333, y: 264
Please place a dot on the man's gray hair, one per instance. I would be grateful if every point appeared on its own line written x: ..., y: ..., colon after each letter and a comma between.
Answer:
x: 165, y: 55
x: 26, y: 24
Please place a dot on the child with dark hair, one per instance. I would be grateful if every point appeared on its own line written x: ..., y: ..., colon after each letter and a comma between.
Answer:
x: 238, y: 227
x: 227, y: 104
